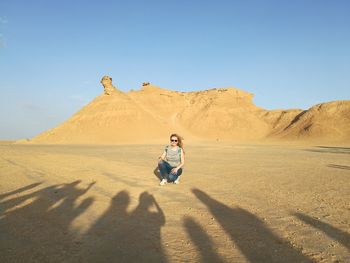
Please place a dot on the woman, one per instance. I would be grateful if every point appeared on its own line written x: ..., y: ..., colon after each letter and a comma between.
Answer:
x: 172, y: 160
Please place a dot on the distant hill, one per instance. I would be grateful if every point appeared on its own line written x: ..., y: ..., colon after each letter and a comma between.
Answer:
x: 323, y: 122
x: 150, y: 114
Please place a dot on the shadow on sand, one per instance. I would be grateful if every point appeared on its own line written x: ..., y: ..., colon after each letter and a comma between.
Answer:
x: 329, y: 149
x: 250, y: 234
x: 337, y: 166
x: 334, y: 233
x: 202, y: 241
x: 119, y: 236
x: 37, y: 227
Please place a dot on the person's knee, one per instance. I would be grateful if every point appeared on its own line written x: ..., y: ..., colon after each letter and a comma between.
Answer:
x: 161, y: 163
x: 172, y: 177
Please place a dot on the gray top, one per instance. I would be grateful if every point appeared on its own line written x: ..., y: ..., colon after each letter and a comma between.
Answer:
x: 173, y: 157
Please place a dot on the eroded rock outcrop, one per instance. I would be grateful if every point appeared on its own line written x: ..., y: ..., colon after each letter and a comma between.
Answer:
x: 106, y: 81
x: 152, y: 113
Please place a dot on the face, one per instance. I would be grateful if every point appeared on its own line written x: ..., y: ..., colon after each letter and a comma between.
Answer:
x: 174, y: 140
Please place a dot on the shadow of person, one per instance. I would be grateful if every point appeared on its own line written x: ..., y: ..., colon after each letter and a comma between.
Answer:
x: 250, y: 234
x: 18, y: 200
x: 67, y: 210
x: 70, y: 193
x: 19, y: 190
x: 145, y: 234
x: 103, y: 242
x: 202, y: 241
x: 38, y: 230
x: 119, y: 236
x: 334, y: 233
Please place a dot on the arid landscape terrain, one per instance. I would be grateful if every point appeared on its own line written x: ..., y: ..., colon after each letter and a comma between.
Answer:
x: 235, y: 203
x: 150, y: 114
x: 258, y: 185
x: 174, y: 131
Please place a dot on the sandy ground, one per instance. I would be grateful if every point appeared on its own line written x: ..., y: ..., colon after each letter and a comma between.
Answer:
x: 235, y: 203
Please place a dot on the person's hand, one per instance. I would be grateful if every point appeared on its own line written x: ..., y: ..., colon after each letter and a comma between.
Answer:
x: 174, y: 171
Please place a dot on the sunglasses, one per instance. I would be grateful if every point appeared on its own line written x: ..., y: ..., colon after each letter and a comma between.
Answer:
x: 173, y: 140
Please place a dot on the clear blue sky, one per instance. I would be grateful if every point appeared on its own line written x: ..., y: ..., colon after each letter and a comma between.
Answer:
x: 290, y: 54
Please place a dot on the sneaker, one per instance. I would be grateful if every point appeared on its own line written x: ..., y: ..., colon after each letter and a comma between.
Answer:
x: 177, y: 181
x: 163, y: 182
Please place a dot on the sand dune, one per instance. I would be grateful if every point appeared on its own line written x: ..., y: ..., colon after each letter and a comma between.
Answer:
x: 152, y: 113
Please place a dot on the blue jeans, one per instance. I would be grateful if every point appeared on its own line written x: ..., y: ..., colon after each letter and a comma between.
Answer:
x: 165, y: 169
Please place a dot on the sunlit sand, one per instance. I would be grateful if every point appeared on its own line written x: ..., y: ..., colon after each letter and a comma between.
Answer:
x: 235, y: 203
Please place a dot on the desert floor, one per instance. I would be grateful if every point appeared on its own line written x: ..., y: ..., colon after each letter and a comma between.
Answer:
x: 235, y: 203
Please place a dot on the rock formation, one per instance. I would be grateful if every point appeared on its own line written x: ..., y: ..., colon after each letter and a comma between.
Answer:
x: 152, y: 113
x: 108, y: 87
x: 328, y: 121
